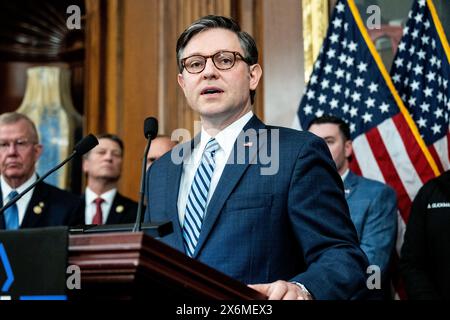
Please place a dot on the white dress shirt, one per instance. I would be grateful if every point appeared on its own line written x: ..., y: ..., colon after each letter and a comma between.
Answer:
x: 225, y: 139
x: 91, y: 208
x: 23, y: 202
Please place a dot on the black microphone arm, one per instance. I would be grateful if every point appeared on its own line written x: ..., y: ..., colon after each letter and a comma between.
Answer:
x: 150, y: 133
x: 86, y: 144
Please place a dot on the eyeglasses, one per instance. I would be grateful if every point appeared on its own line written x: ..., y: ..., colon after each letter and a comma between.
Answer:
x: 223, y: 60
x: 20, y: 144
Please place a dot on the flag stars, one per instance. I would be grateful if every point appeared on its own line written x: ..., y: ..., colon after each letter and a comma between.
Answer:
x: 428, y: 92
x: 415, y: 85
x: 422, y: 3
x: 401, y: 46
x: 336, y: 88
x: 439, y: 113
x: 373, y: 87
x: 345, y: 108
x: 359, y: 82
x: 331, y: 53
x: 396, y: 78
x: 352, y: 127
x: 313, y: 79
x: 422, y: 122
x: 412, y: 101
x: 362, y: 67
x: 356, y: 97
x: 421, y: 54
x: 415, y: 34
x: 367, y: 117
x: 427, y: 24
x: 353, y: 112
x: 436, y: 128
x: 328, y: 69
x: 352, y: 46
x: 418, y: 70
x: 337, y: 23
x: 319, y: 113
x: 334, y: 104
x: 418, y: 18
x: 412, y: 50
x: 340, y: 7
x: 384, y: 107
x: 339, y: 73
x: 425, y: 40
x: 322, y: 99
x: 308, y: 109
x: 325, y: 84
x: 334, y: 38
x: 398, y: 62
x: 370, y: 103
x: 425, y: 107
x: 349, y: 61
x: 311, y: 95
x: 431, y: 76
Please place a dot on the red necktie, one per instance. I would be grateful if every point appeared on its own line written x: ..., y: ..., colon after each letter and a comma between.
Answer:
x: 98, y: 218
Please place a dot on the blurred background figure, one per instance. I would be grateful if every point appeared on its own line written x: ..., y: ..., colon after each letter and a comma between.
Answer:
x: 160, y: 145
x: 103, y: 168
x: 43, y: 206
x: 372, y: 204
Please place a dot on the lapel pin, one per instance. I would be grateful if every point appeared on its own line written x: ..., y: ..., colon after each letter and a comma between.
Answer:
x: 41, y: 204
x: 37, y: 210
x: 119, y: 209
x: 248, y: 144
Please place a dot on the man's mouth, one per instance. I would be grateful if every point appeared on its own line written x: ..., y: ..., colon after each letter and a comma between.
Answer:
x: 207, y: 91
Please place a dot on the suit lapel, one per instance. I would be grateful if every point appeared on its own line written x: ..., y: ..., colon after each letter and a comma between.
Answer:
x: 113, y: 216
x: 36, y: 207
x: 173, y: 186
x: 350, y: 183
x: 231, y: 175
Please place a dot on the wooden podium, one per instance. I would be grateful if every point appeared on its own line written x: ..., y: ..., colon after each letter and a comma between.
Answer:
x: 134, y: 266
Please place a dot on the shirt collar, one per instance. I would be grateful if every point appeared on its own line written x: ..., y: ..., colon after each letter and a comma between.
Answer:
x: 108, y: 196
x: 6, y: 188
x: 345, y: 174
x: 227, y: 136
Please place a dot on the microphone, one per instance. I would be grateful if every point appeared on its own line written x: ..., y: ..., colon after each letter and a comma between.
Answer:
x: 86, y: 144
x: 150, y: 133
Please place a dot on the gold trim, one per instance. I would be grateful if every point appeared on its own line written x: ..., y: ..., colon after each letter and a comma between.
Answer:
x: 387, y: 78
x: 315, y: 24
x: 440, y: 30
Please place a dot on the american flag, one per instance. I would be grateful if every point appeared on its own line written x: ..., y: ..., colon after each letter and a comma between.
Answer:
x: 421, y: 72
x: 350, y: 81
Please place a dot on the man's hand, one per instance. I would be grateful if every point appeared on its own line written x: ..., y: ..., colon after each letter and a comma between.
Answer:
x: 282, y: 290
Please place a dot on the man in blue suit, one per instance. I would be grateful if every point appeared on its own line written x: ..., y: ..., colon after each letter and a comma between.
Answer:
x: 372, y: 204
x: 43, y: 206
x: 262, y: 204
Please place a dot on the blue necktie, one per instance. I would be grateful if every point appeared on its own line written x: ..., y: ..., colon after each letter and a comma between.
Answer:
x: 12, y: 214
x: 197, y: 198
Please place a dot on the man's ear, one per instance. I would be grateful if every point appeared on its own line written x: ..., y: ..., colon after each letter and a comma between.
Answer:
x: 255, y: 76
x: 180, y: 79
x: 348, y: 148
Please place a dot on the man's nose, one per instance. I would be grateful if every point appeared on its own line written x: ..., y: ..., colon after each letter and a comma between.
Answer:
x: 210, y: 69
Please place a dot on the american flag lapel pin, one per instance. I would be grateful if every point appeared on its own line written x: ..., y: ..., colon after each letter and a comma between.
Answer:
x: 248, y: 144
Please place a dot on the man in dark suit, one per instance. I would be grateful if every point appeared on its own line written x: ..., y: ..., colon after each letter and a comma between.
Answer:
x: 262, y: 204
x: 372, y: 204
x: 43, y: 206
x: 103, y: 168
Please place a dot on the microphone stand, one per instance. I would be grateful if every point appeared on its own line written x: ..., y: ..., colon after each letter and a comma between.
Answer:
x: 138, y: 225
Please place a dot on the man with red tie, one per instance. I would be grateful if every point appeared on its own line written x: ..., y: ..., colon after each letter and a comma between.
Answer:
x: 103, y: 168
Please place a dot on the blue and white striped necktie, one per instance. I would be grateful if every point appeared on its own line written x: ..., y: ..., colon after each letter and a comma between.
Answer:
x: 197, y: 198
x: 12, y: 214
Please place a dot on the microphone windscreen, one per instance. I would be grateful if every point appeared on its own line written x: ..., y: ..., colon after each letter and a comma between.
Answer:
x: 150, y: 128
x: 86, y: 144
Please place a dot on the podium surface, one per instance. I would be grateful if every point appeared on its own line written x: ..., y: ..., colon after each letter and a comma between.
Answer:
x: 135, y: 266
